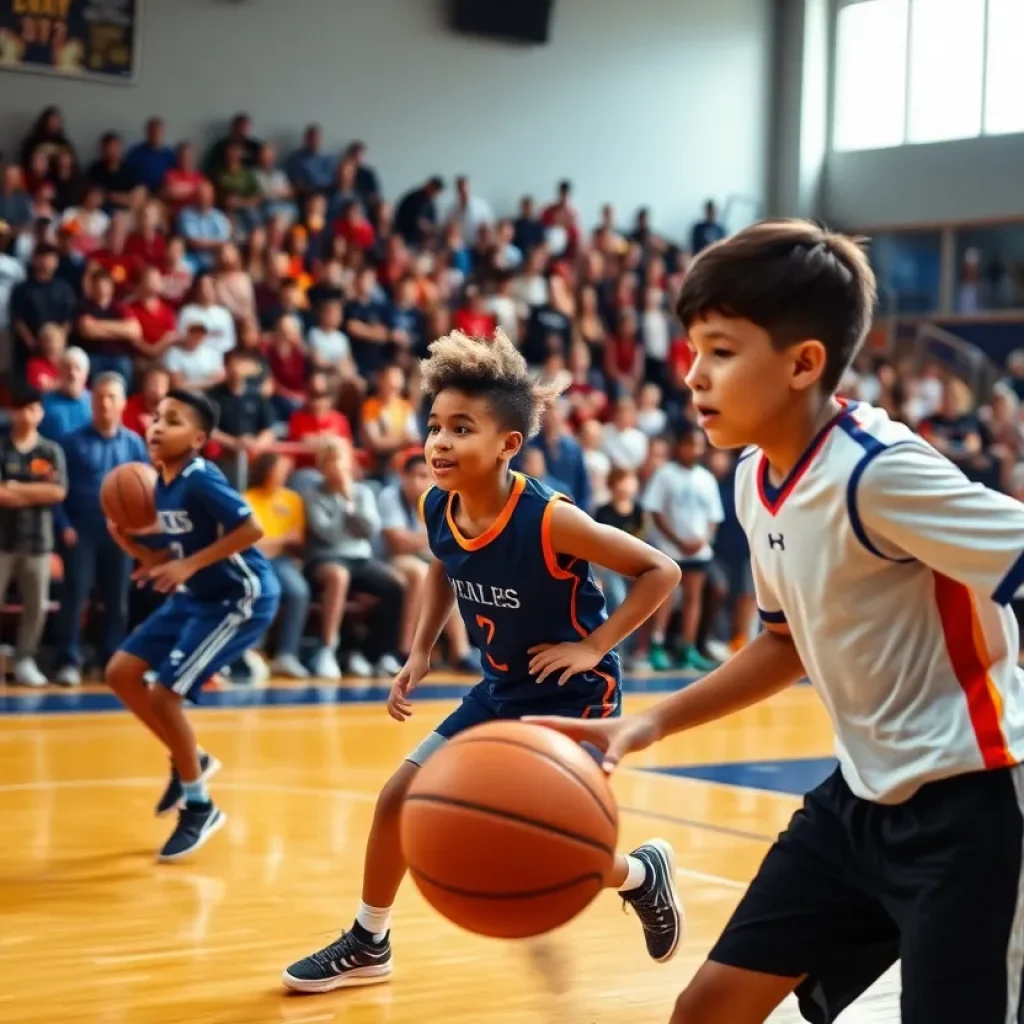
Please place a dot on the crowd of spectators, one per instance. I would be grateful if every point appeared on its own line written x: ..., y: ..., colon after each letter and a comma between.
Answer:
x: 301, y: 298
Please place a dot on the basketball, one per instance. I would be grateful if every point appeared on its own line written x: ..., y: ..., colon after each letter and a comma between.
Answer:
x: 127, y: 495
x: 510, y: 830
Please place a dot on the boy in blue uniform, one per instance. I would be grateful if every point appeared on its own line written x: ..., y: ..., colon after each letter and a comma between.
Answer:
x: 516, y: 556
x: 223, y: 597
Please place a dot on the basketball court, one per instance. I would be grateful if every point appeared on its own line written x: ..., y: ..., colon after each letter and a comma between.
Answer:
x: 94, y: 930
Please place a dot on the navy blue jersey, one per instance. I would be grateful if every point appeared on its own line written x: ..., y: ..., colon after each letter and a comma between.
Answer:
x: 196, y: 508
x: 515, y: 592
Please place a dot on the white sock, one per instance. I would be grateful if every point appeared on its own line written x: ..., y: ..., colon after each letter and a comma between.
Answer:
x: 657, y: 638
x: 377, y: 919
x: 636, y: 874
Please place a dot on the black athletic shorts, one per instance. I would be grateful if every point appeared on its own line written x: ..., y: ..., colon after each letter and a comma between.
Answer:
x: 853, y: 886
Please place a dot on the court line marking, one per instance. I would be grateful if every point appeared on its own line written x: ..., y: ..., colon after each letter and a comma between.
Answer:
x: 349, y: 794
x: 653, y: 771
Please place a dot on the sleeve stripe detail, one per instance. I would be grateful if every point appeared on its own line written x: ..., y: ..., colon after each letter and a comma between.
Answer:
x: 1011, y: 583
x: 872, y: 449
x: 774, y: 617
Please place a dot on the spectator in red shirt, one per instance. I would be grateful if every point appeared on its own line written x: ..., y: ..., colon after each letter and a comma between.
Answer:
x: 148, y: 244
x: 181, y: 185
x: 177, y: 277
x: 289, y: 365
x: 317, y: 419
x: 473, y: 318
x: 355, y: 228
x: 115, y: 259
x: 43, y: 370
x: 156, y: 317
x: 140, y: 409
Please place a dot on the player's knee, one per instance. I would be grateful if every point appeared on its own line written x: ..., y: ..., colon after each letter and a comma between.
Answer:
x: 692, y: 1008
x: 389, y: 802
x: 122, y: 672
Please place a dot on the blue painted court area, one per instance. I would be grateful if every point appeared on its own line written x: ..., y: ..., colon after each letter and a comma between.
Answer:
x: 796, y: 775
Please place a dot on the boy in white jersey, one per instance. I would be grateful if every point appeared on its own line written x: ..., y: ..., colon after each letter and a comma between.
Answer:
x: 884, y: 576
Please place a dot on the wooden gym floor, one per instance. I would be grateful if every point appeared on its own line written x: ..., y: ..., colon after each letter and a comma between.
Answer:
x: 92, y: 929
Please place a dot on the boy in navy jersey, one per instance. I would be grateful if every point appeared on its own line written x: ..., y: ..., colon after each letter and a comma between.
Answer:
x: 223, y: 596
x: 516, y: 557
x: 883, y: 576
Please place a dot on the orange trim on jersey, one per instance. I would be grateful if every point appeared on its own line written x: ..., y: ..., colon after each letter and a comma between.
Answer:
x: 499, y: 524
x: 421, y: 505
x: 968, y: 654
x: 607, y: 704
x: 550, y: 554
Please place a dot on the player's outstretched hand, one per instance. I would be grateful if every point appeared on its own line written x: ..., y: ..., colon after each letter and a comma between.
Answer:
x: 616, y: 737
x: 399, y: 705
x: 569, y: 658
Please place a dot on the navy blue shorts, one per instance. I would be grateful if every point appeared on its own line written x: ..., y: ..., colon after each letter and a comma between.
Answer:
x: 479, y: 706
x: 186, y: 641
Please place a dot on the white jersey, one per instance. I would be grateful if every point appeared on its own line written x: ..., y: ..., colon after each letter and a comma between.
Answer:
x: 893, y: 573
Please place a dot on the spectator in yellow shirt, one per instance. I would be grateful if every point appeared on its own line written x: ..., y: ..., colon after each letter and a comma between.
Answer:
x: 281, y: 514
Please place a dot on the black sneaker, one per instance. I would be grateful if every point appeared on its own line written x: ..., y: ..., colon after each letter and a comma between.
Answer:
x: 657, y: 902
x: 345, y: 963
x: 173, y: 794
x: 196, y: 823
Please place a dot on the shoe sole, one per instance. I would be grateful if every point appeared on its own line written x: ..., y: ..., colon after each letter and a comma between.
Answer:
x: 218, y: 824
x: 211, y: 769
x: 668, y: 855
x: 358, y: 978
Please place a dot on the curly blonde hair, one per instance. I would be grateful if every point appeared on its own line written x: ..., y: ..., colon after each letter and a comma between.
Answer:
x: 494, y: 369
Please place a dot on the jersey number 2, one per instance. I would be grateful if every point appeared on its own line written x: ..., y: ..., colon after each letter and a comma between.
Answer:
x: 484, y: 623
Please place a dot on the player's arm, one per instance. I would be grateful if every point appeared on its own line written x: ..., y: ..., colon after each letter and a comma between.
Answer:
x: 435, y: 609
x: 233, y: 514
x: 574, y: 534
x: 768, y: 664
x: 912, y: 504
x: 146, y: 557
x: 437, y: 603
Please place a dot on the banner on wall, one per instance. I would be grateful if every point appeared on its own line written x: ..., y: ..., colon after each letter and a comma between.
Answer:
x: 92, y: 39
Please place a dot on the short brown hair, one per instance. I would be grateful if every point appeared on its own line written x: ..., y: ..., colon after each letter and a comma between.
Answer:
x: 793, y: 279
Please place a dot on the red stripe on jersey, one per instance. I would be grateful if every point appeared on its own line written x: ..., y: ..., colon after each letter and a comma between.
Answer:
x: 965, y: 645
x: 802, y: 465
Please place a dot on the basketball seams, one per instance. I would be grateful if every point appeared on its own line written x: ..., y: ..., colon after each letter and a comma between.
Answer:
x: 522, y: 819
x: 467, y: 739
x: 548, y: 890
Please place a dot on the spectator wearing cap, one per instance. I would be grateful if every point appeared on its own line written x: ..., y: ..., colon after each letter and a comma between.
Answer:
x: 92, y: 558
x: 416, y: 214
x: 310, y: 169
x: 204, y: 227
x: 15, y: 202
x: 148, y: 162
x: 69, y: 406
x: 42, y: 299
x: 404, y: 543
x: 33, y: 479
